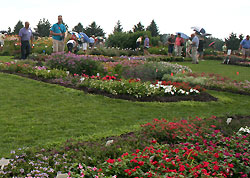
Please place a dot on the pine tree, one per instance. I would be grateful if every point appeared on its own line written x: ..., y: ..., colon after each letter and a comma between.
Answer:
x: 118, y: 27
x: 43, y: 27
x: 94, y: 29
x: 18, y: 27
x: 233, y: 42
x: 153, y: 29
x: 78, y: 28
x: 9, y: 30
x: 138, y: 27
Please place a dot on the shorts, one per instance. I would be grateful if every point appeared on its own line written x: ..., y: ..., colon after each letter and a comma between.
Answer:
x: 58, y: 46
x: 171, y: 49
x: 246, y: 52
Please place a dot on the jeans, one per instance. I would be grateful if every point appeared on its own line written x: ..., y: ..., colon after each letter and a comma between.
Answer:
x: 25, y: 49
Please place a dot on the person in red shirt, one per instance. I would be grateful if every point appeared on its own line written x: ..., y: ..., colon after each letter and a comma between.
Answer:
x: 179, y: 43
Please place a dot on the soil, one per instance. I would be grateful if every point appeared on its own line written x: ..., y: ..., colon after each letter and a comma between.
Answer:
x: 202, y: 97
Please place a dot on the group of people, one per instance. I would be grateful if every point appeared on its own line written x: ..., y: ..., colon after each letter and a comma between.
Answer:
x: 58, y: 33
x: 193, y: 44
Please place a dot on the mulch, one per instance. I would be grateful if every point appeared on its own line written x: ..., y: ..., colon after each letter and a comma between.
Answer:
x: 202, y: 97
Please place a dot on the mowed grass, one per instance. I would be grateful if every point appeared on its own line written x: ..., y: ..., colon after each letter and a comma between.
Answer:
x: 35, y: 113
x: 212, y: 66
x: 6, y: 58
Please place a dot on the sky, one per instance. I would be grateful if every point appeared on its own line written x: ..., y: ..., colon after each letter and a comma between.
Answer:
x: 218, y: 17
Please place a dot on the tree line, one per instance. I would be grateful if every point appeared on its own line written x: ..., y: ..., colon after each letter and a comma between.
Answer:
x: 43, y: 29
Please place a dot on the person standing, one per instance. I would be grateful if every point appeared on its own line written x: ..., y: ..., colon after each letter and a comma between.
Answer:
x: 138, y: 42
x: 224, y: 48
x: 245, y: 47
x: 195, y: 44
x: 171, y: 42
x: 188, y: 47
x: 2, y: 37
x: 58, y: 33
x: 201, y: 47
x: 179, y: 43
x: 146, y: 45
x: 25, y: 36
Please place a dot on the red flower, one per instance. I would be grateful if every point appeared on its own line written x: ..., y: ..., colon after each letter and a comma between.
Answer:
x: 216, y: 167
x: 111, y: 161
x: 216, y: 155
x: 182, y: 168
x: 153, y: 141
x: 213, y: 126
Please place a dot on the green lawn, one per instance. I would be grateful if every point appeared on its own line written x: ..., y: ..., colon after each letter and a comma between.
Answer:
x: 36, y: 113
x: 33, y: 112
x: 6, y: 58
x: 212, y: 66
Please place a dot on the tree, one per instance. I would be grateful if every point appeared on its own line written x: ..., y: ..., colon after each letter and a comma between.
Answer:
x: 9, y: 30
x: 233, y: 42
x: 78, y: 28
x: 153, y: 29
x: 94, y: 29
x: 17, y: 27
x: 118, y: 27
x: 43, y: 27
x: 138, y: 27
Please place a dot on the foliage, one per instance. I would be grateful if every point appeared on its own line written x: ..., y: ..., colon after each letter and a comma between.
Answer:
x: 78, y: 28
x: 75, y: 64
x: 43, y: 28
x: 112, y: 52
x: 151, y: 71
x: 11, y: 46
x: 94, y: 29
x: 139, y: 27
x: 18, y: 27
x: 43, y: 46
x: 233, y: 42
x: 153, y: 29
x: 218, y: 43
x: 118, y: 28
x: 125, y: 40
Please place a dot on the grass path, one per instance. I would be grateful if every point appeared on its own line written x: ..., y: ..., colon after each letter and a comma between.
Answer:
x: 212, y: 66
x: 33, y: 112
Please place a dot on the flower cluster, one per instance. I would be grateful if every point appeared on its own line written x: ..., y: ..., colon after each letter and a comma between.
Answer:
x: 198, y: 151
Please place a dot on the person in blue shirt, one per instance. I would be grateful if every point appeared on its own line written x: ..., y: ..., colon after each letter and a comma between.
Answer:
x: 58, y: 33
x: 25, y: 35
x: 245, y: 47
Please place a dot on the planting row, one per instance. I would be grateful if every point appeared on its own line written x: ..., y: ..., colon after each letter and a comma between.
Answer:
x: 184, y: 148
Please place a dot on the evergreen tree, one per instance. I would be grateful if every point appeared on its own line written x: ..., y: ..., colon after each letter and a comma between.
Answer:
x: 17, y: 27
x: 233, y: 42
x: 138, y: 27
x: 94, y: 29
x: 153, y: 29
x: 78, y: 28
x: 43, y: 27
x: 9, y: 30
x: 118, y: 27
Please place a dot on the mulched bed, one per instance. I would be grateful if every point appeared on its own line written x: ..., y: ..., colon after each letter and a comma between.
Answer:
x: 202, y: 97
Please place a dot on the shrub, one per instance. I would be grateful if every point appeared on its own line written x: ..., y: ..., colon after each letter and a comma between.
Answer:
x: 153, y: 70
x: 76, y: 64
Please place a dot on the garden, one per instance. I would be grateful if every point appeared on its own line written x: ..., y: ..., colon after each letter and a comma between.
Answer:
x: 114, y: 112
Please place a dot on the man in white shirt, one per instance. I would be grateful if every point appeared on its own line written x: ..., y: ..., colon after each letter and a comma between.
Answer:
x: 2, y: 37
x: 195, y: 44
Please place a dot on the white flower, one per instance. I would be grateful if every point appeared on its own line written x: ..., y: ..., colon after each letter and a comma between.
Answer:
x: 228, y: 120
x: 67, y: 72
x: 48, y: 71
x: 109, y: 142
x: 82, y: 79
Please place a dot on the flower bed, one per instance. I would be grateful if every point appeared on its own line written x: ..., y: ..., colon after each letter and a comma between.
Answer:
x: 184, y: 148
x: 212, y: 81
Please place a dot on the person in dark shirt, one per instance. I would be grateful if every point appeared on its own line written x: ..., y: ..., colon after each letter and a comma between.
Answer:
x: 171, y: 42
x: 201, y: 47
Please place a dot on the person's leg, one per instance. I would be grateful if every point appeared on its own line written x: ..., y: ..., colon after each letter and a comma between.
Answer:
x: 23, y: 50
x: 70, y: 47
x: 27, y: 50
x: 61, y: 46
x: 55, y: 46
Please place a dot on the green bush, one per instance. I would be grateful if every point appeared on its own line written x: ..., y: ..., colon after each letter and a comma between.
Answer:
x: 128, y: 40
